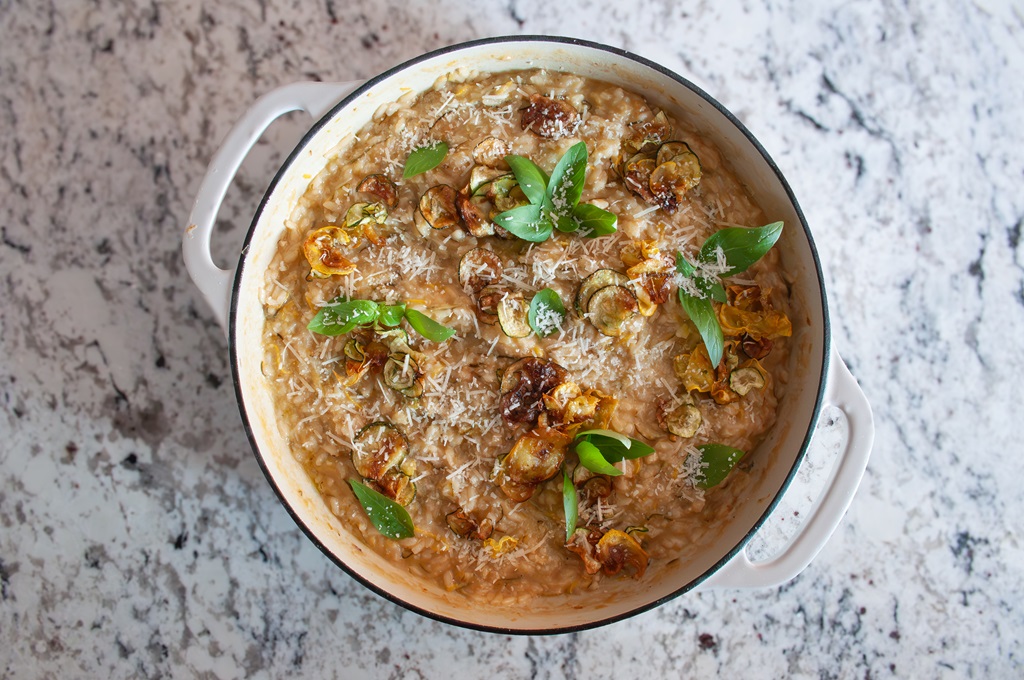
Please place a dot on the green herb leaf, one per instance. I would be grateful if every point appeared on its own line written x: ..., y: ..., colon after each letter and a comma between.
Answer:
x: 611, y: 434
x: 390, y: 518
x: 571, y: 505
x: 591, y: 458
x: 544, y: 308
x: 532, y: 180
x: 391, y: 315
x: 742, y: 247
x: 615, y: 449
x: 566, y: 184
x: 594, y: 221
x: 425, y: 158
x: 427, y: 327
x: 527, y: 222
x: 702, y: 313
x: 717, y: 461
x: 341, y: 316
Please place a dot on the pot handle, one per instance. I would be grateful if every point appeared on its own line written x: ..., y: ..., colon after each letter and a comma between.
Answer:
x: 842, y: 392
x: 214, y: 283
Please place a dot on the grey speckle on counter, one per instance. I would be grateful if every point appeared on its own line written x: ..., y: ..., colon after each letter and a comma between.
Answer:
x: 138, y: 537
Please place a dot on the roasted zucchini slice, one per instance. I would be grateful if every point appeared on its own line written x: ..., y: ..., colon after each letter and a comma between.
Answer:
x: 354, y: 350
x: 636, y: 174
x: 513, y: 315
x: 402, y: 374
x: 672, y: 179
x: 398, y: 486
x: 536, y: 456
x: 480, y: 268
x: 381, y: 188
x: 684, y: 421
x: 323, y: 251
x: 617, y: 550
x: 669, y: 150
x: 611, y: 307
x: 550, y: 118
x: 475, y: 212
x: 743, y: 380
x: 378, y: 448
x: 480, y: 176
x: 361, y: 214
x: 437, y: 207
x: 490, y: 151
x: 487, y: 304
x: 595, y: 282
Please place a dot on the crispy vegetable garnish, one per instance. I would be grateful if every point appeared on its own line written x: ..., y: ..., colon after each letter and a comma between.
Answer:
x: 550, y: 118
x: 683, y: 421
x: 491, y: 152
x: 480, y: 268
x: 650, y: 273
x: 437, y: 207
x: 464, y: 526
x: 694, y: 369
x: 523, y: 387
x: 323, y: 251
x: 536, y: 457
x: 647, y: 135
x: 381, y: 188
x: 662, y: 175
x: 618, y: 550
x: 769, y: 323
x: 610, y: 308
x: 380, y: 455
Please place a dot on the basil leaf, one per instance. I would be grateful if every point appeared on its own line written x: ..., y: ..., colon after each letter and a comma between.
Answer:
x: 571, y: 505
x: 703, y: 316
x: 611, y: 434
x: 717, y: 461
x: 425, y: 158
x: 566, y: 184
x: 391, y: 315
x: 338, y: 318
x: 567, y: 223
x: 615, y: 450
x: 527, y: 222
x: 714, y: 289
x: 594, y: 221
x: 532, y: 180
x: 545, y: 308
x: 683, y: 266
x: 390, y: 518
x: 427, y: 327
x: 591, y: 458
x: 742, y: 247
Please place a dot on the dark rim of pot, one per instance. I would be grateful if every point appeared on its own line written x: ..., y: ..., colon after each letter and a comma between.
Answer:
x: 826, y: 345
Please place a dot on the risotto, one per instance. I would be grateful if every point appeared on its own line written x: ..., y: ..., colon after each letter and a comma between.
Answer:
x: 520, y: 330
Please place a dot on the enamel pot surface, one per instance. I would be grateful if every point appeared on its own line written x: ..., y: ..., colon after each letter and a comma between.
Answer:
x: 818, y: 376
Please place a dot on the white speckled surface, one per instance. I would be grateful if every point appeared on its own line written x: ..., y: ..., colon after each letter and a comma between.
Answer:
x: 137, y: 534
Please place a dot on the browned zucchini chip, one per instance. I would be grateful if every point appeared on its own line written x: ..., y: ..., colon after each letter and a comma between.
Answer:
x: 647, y: 135
x: 480, y: 268
x: 744, y: 379
x: 381, y: 188
x: 694, y: 369
x: 537, y: 456
x: 670, y: 181
x: 513, y: 315
x: 523, y: 386
x: 594, y: 283
x: 610, y: 308
x: 636, y: 174
x: 618, y: 550
x: 475, y: 211
x: 437, y: 207
x: 684, y: 421
x: 491, y: 152
x: 398, y: 486
x: 756, y: 348
x: 487, y: 304
x: 378, y: 448
x: 464, y: 526
x: 402, y: 374
x: 550, y: 118
x: 323, y: 251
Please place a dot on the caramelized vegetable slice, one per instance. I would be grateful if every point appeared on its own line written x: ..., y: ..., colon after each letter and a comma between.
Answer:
x: 323, y: 248
x: 670, y: 150
x: 523, y: 386
x: 487, y: 304
x: 490, y: 151
x: 618, y: 550
x: 464, y: 526
x: 398, y: 486
x: 684, y: 421
x: 480, y: 268
x: 480, y: 177
x: 636, y: 174
x: 610, y: 308
x: 670, y: 181
x: 536, y: 456
x: 584, y: 543
x: 743, y: 380
x: 648, y: 134
x: 513, y: 315
x: 361, y: 214
x: 402, y: 374
x: 378, y: 448
x: 595, y: 282
x: 694, y: 369
x: 550, y: 118
x: 437, y: 207
x: 381, y: 188
x: 475, y: 211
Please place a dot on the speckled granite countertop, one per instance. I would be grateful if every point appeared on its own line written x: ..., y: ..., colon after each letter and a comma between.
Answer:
x: 138, y: 537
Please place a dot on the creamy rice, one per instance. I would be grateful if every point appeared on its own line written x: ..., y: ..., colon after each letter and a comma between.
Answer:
x: 455, y: 428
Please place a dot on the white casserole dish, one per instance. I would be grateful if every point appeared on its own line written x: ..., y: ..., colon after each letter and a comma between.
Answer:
x: 818, y: 374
